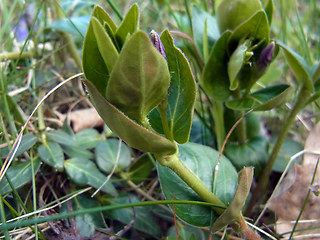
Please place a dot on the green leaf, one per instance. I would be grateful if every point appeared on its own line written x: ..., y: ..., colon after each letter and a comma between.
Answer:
x: 140, y: 78
x: 256, y: 28
x: 19, y: 174
x: 104, y: 17
x: 87, y: 138
x: 51, y: 153
x: 106, y: 155
x: 106, y: 21
x: 215, y: 74
x: 233, y: 211
x: 268, y: 7
x: 182, y: 91
x: 201, y: 160
x: 76, y: 26
x: 299, y: 66
x: 143, y: 220
x: 288, y: 149
x: 27, y: 142
x: 141, y: 169
x: 128, y: 26
x: 252, y: 123
x: 237, y: 60
x: 75, y: 7
x: 83, y: 171
x: 244, y: 103
x: 271, y: 97
x: 77, y: 152
x: 200, y: 132
x: 61, y: 137
x: 315, y: 70
x: 253, y: 153
x: 199, y: 17
x: 87, y: 223
x: 264, y: 99
x: 187, y: 232
x: 129, y: 131
x: 93, y: 63
x: 232, y: 13
x: 105, y: 44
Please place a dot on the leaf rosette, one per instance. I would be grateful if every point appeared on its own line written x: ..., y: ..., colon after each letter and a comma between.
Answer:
x: 128, y: 76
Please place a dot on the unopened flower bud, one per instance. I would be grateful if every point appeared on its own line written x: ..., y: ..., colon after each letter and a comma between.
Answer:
x: 156, y: 41
x: 266, y: 56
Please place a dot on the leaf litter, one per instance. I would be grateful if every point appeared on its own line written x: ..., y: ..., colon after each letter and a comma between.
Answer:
x: 292, y: 192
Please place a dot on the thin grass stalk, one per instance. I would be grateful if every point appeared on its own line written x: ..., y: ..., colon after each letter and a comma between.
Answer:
x: 3, y: 219
x: 29, y: 33
x: 34, y: 196
x: 303, y: 97
x: 67, y: 38
x: 6, y: 14
x: 305, y: 201
x: 186, y: 5
x: 217, y: 114
x: 3, y: 90
x: 304, y: 39
x: 23, y: 223
x: 283, y: 14
x: 115, y: 9
x: 4, y: 131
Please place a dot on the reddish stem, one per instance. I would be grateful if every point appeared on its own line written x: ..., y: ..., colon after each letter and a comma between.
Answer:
x: 175, y: 218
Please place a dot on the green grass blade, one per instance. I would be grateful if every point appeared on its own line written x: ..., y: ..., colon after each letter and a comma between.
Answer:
x: 11, y: 225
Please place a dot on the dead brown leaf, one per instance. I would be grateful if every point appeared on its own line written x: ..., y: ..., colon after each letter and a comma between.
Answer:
x: 288, y: 205
x: 84, y: 118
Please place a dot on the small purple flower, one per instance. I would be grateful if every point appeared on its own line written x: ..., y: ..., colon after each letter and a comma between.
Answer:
x: 266, y: 55
x: 315, y: 188
x: 155, y: 39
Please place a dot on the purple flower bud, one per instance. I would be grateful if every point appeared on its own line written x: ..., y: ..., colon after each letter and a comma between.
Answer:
x: 266, y: 56
x: 155, y: 39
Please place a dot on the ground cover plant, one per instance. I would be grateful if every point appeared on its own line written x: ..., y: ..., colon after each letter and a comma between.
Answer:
x: 198, y: 136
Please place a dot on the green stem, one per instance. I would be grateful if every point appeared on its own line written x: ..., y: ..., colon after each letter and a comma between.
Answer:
x: 67, y: 38
x: 241, y: 227
x: 34, y: 197
x: 217, y: 115
x: 41, y: 122
x: 175, y: 164
x: 4, y: 131
x: 284, y: 14
x: 115, y: 9
x: 186, y: 5
x: 164, y: 119
x: 241, y: 128
x: 16, y: 55
x: 303, y: 97
x: 4, y: 96
x: 3, y: 219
